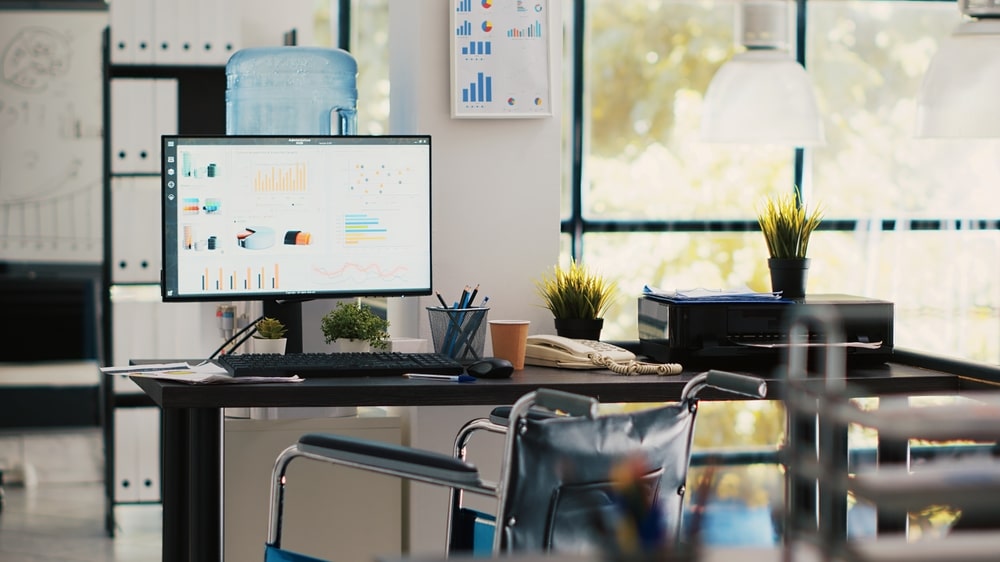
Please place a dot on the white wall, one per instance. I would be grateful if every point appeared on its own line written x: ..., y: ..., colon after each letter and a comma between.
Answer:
x: 264, y: 22
x: 496, y: 182
x: 496, y: 211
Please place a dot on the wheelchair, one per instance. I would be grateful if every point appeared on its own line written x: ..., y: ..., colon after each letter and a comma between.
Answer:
x: 559, y: 487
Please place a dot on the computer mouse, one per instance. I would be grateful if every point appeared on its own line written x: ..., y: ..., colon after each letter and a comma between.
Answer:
x: 491, y: 368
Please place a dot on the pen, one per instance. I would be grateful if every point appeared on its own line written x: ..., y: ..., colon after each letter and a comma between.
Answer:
x: 143, y: 369
x: 443, y: 378
x: 441, y: 299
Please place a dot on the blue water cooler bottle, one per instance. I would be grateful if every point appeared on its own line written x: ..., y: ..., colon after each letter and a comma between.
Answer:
x: 291, y: 91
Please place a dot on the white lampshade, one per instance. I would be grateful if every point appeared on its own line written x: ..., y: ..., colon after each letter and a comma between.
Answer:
x: 762, y: 95
x: 961, y: 88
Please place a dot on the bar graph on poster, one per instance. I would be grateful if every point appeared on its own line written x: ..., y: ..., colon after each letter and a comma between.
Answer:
x: 501, y: 59
x: 51, y: 136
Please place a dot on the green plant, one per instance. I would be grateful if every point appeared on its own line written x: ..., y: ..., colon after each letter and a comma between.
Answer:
x: 356, y: 321
x: 271, y: 328
x: 576, y: 292
x: 787, y: 225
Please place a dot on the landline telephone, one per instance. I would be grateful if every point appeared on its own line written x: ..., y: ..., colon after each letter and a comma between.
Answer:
x: 556, y: 351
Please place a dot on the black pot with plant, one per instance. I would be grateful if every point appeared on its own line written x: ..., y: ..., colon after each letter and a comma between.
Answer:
x: 787, y: 225
x: 578, y: 299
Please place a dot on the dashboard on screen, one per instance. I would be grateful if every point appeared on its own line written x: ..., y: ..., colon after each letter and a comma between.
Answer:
x: 267, y: 217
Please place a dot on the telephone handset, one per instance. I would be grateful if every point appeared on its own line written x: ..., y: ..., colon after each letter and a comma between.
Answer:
x: 555, y: 351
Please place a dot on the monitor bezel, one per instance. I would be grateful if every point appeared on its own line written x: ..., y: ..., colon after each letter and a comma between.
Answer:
x: 289, y: 296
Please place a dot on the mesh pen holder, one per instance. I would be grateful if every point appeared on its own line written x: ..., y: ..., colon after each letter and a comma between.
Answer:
x: 459, y: 333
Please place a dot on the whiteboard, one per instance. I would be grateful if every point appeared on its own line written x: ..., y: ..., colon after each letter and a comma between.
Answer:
x: 51, y: 136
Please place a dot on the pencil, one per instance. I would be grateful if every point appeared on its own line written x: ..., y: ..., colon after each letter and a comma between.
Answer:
x: 441, y: 299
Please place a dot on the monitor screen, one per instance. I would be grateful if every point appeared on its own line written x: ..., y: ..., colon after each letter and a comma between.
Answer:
x: 295, y: 218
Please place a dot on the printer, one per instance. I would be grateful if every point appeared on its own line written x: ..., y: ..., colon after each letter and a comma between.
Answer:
x: 712, y: 333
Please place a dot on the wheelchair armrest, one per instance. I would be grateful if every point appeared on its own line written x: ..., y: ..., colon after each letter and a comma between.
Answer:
x: 747, y: 385
x: 390, y: 458
x: 736, y: 383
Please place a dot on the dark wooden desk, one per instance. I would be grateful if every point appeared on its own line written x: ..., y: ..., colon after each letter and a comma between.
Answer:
x: 192, y: 418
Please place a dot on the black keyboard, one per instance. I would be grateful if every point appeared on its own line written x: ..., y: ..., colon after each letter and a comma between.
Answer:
x: 327, y: 365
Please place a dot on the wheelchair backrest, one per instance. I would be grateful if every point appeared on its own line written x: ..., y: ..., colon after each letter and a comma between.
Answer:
x: 559, y: 495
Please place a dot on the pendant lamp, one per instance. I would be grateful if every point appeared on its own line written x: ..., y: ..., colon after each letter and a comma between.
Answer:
x: 958, y: 98
x: 762, y: 95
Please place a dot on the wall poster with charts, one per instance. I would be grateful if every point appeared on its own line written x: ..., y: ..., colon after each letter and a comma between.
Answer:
x: 501, y: 59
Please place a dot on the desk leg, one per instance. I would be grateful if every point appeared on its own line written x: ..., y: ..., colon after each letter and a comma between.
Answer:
x: 174, y: 483
x: 833, y: 454
x: 800, y: 491
x: 192, y: 498
x: 814, y: 506
x: 204, y: 466
x: 890, y: 452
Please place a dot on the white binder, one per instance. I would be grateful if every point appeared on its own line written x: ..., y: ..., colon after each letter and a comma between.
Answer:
x: 189, y: 14
x: 137, y: 455
x: 135, y: 247
x: 165, y: 116
x: 142, y: 25
x: 126, y: 94
x: 122, y: 24
x: 166, y: 43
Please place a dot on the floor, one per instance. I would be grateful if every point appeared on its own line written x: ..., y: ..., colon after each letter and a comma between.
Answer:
x: 65, y: 523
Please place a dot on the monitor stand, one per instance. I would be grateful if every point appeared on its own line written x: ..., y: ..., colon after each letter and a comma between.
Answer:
x: 290, y: 314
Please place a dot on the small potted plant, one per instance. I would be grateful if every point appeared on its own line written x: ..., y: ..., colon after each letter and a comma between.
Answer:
x: 577, y: 299
x: 787, y: 226
x: 357, y: 323
x: 270, y: 336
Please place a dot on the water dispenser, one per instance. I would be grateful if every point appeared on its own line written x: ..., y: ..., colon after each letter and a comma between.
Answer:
x: 291, y: 90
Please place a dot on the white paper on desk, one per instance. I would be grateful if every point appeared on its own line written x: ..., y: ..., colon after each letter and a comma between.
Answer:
x: 862, y: 344
x: 701, y: 294
x: 209, y: 373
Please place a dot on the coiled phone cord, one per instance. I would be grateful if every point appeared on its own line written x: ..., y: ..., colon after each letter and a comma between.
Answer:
x: 633, y: 367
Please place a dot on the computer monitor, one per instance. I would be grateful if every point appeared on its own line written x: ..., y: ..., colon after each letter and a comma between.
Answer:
x: 282, y: 218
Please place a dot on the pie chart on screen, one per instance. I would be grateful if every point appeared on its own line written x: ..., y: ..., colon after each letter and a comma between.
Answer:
x: 487, y: 3
x: 487, y: 26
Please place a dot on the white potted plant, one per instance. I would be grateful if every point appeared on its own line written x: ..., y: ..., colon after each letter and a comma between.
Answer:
x: 355, y: 327
x: 270, y: 336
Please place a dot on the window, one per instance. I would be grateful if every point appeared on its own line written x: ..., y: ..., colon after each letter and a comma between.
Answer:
x: 907, y: 220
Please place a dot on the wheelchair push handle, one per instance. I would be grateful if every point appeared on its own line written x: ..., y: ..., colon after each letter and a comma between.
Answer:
x: 572, y: 404
x: 746, y: 385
